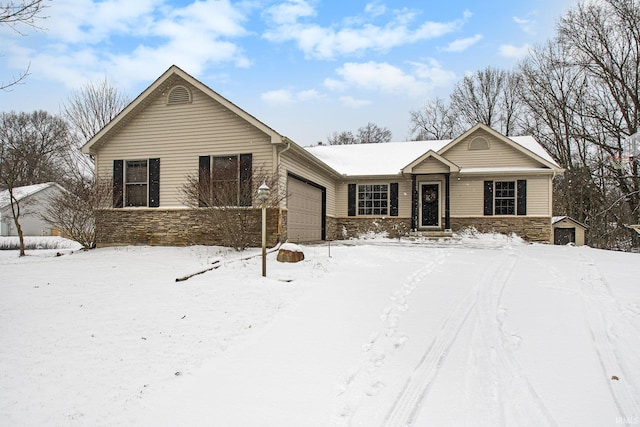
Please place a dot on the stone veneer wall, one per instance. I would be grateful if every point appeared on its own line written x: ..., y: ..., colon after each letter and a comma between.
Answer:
x: 533, y: 229
x: 171, y: 227
x: 353, y: 227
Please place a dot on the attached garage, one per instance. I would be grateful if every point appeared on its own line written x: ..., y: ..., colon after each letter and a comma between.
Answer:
x: 305, y: 210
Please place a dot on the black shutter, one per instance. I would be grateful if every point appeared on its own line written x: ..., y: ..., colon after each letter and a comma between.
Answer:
x: 352, y: 200
x: 118, y: 181
x: 393, y: 196
x: 488, y: 197
x: 204, y: 180
x: 154, y: 183
x: 522, y: 197
x: 246, y: 173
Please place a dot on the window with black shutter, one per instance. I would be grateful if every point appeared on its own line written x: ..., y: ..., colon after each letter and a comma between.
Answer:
x: 505, y: 197
x: 136, y: 183
x: 226, y: 180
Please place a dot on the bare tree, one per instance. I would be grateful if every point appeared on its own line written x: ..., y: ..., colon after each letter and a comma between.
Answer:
x: 434, y: 121
x: 554, y: 93
x: 370, y: 133
x: 15, y: 15
x: 37, y: 143
x: 490, y: 97
x: 603, y: 41
x: 32, y: 151
x: 73, y: 211
x: 10, y: 169
x: 88, y: 110
x: 342, y: 138
x: 229, y: 205
x: 476, y: 97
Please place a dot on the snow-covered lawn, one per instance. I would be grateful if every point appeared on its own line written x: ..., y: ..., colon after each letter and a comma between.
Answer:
x: 486, y: 330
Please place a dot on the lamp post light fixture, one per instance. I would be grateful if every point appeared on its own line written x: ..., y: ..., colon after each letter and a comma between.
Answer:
x: 263, y: 196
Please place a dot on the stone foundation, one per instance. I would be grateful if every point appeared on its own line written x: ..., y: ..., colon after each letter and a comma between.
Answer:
x: 175, y: 227
x: 182, y: 227
x: 353, y: 227
x: 533, y: 229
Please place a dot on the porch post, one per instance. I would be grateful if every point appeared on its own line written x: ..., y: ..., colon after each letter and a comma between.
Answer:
x: 447, y: 212
x: 414, y: 204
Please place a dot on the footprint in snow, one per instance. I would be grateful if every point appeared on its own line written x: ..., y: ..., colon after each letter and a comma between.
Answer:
x: 374, y: 388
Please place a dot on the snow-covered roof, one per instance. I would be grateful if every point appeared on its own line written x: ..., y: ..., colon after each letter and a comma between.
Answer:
x: 374, y: 159
x: 557, y: 219
x: 534, y: 146
x: 21, y: 192
x: 391, y: 157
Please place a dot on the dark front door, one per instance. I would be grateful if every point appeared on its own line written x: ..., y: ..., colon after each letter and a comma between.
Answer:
x: 430, y: 205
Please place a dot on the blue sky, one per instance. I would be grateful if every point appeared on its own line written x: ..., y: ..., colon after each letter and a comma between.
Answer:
x: 304, y: 67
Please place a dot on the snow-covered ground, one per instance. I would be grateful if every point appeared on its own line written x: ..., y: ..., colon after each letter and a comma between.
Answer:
x: 484, y: 330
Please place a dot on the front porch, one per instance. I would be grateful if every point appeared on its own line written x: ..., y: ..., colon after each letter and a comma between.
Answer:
x: 430, y: 203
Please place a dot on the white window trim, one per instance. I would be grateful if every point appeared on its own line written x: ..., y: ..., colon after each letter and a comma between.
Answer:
x: 125, y: 184
x: 388, y: 208
x: 515, y: 197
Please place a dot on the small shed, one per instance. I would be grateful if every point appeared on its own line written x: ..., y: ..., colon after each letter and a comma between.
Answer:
x: 567, y: 230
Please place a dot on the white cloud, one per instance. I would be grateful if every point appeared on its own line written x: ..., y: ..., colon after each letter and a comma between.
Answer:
x: 378, y: 77
x: 527, y: 24
x: 286, y: 96
x: 289, y: 12
x: 352, y: 102
x: 515, y: 52
x: 280, y: 96
x: 353, y: 35
x: 336, y: 85
x: 158, y: 35
x: 375, y: 9
x: 433, y: 73
x: 461, y: 45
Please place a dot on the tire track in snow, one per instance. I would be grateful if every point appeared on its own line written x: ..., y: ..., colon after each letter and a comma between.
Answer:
x: 598, y: 300
x: 417, y: 387
x: 362, y: 381
x: 493, y: 358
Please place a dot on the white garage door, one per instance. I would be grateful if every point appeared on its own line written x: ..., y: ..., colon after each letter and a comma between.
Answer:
x: 304, y: 211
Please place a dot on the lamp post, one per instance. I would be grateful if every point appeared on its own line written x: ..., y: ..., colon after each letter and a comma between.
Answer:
x: 263, y: 196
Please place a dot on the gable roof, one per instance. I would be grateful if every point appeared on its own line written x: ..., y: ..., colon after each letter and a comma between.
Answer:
x: 431, y: 155
x: 393, y: 158
x: 557, y: 219
x: 23, y: 192
x: 163, y: 82
x: 525, y: 144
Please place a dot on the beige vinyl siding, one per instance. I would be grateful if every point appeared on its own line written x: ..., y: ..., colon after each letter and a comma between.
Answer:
x: 467, y: 195
x: 430, y: 165
x: 178, y: 135
x: 499, y: 154
x: 404, y: 195
x: 296, y: 164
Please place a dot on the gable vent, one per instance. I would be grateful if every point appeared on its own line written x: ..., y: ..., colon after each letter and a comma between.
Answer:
x: 179, y: 95
x: 479, y: 143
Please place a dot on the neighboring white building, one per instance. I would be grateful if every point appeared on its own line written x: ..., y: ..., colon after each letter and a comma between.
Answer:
x: 33, y: 201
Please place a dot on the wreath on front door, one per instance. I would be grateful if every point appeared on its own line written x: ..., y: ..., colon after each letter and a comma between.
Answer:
x: 430, y: 196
